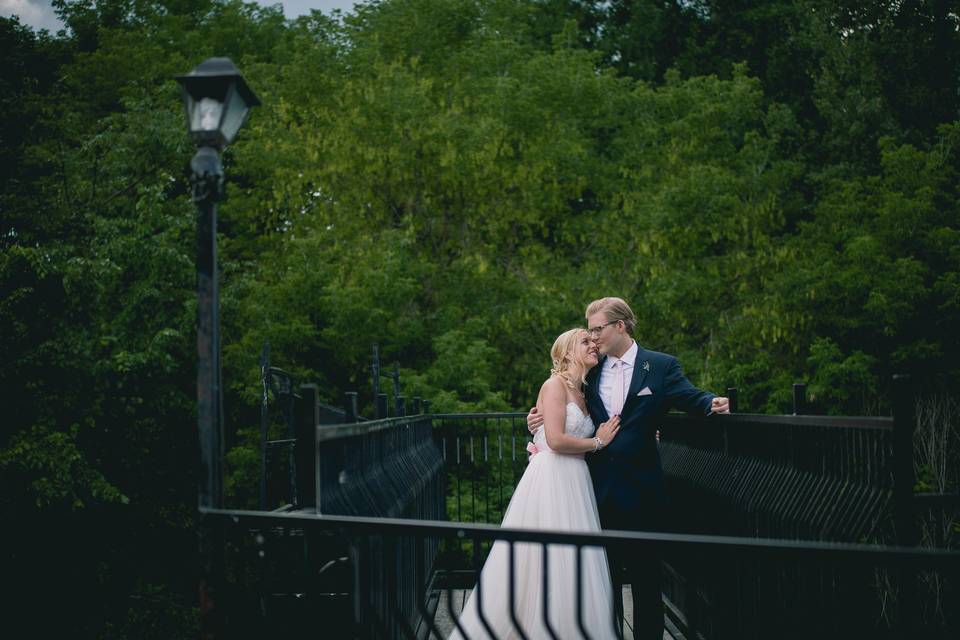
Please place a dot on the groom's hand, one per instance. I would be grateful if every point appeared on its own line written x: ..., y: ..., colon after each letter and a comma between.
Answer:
x: 534, y: 420
x: 720, y: 405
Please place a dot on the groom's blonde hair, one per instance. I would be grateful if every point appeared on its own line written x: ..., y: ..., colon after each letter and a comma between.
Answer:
x: 614, y: 309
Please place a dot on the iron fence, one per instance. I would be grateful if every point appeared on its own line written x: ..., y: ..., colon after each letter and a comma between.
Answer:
x: 484, y: 455
x: 798, y: 479
x: 802, y: 478
x: 393, y: 607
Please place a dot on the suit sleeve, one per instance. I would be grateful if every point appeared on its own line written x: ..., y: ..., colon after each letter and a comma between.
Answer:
x: 682, y: 395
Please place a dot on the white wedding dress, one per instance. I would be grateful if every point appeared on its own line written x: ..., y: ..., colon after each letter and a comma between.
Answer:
x: 555, y: 492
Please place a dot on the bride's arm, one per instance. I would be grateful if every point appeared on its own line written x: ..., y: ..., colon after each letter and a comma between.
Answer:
x: 553, y: 404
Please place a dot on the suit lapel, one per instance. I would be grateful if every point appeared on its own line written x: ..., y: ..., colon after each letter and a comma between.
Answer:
x: 594, y: 403
x: 638, y: 379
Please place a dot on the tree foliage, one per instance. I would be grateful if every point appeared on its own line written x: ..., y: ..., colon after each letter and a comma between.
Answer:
x: 770, y: 184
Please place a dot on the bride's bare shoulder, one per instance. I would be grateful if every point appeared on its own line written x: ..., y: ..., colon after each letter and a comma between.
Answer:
x: 552, y: 388
x: 551, y: 383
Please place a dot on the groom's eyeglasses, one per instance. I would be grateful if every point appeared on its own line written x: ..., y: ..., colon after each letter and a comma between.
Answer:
x: 596, y: 331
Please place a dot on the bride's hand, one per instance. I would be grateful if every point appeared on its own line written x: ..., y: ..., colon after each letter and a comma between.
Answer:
x: 608, y: 430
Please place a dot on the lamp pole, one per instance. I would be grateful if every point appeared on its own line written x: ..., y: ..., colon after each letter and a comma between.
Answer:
x: 207, y: 182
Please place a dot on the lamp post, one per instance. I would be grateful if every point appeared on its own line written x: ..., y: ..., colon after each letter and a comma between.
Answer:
x: 217, y: 101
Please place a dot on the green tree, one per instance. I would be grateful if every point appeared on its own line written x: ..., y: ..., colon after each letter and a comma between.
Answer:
x: 770, y: 184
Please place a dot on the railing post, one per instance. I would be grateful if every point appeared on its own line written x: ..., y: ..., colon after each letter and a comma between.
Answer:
x: 375, y: 370
x: 799, y: 399
x: 264, y: 420
x: 904, y: 422
x: 415, y: 406
x: 350, y: 406
x: 282, y: 384
x: 396, y: 379
x: 400, y: 406
x: 308, y: 415
x: 732, y: 396
x: 381, y: 406
x: 426, y: 407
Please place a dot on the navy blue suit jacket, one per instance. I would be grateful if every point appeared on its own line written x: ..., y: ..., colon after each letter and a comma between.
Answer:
x: 627, y: 475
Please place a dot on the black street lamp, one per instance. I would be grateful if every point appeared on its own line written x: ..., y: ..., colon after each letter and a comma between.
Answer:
x: 217, y: 100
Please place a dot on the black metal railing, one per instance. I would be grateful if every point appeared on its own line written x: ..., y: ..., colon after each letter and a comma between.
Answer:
x: 806, y: 478
x: 484, y: 455
x: 803, y: 477
x: 800, y: 477
x: 832, y: 596
x: 386, y: 468
x: 281, y: 386
x: 288, y: 414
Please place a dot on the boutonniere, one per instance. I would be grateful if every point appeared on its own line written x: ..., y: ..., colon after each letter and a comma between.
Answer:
x: 646, y: 366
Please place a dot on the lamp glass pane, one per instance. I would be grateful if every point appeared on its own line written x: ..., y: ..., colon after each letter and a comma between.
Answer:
x: 206, y: 115
x: 236, y: 113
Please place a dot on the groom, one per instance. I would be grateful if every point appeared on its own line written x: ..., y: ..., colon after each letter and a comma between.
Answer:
x: 639, y: 386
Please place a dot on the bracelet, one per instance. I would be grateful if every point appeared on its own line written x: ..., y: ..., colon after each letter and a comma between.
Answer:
x: 599, y: 444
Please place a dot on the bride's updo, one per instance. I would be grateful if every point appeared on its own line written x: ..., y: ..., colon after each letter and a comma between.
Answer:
x: 567, y: 363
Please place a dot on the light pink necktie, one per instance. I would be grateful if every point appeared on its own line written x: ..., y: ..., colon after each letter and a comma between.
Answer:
x: 617, y: 387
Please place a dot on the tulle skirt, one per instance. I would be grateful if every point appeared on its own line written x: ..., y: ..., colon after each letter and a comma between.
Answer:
x: 555, y: 493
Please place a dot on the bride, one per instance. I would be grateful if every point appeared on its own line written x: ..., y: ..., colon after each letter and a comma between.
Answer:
x: 556, y: 493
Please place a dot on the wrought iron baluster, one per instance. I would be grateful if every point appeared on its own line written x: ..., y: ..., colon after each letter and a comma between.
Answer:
x: 473, y: 482
x: 455, y: 615
x: 477, y: 567
x: 579, y: 591
x: 500, y: 479
x: 513, y: 593
x: 486, y: 478
x: 264, y: 421
x: 545, y: 563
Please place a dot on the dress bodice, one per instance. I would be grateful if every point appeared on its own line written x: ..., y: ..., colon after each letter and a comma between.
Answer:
x: 577, y: 425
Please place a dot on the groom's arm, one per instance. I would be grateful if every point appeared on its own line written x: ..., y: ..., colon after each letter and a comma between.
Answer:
x: 683, y: 395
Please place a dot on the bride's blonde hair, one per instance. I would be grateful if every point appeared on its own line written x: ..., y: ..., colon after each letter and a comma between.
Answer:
x: 567, y: 363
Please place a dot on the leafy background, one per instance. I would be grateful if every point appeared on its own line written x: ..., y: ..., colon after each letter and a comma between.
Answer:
x: 771, y: 184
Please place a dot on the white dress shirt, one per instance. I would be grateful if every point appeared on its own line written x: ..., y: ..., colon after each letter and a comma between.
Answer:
x: 607, y: 378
